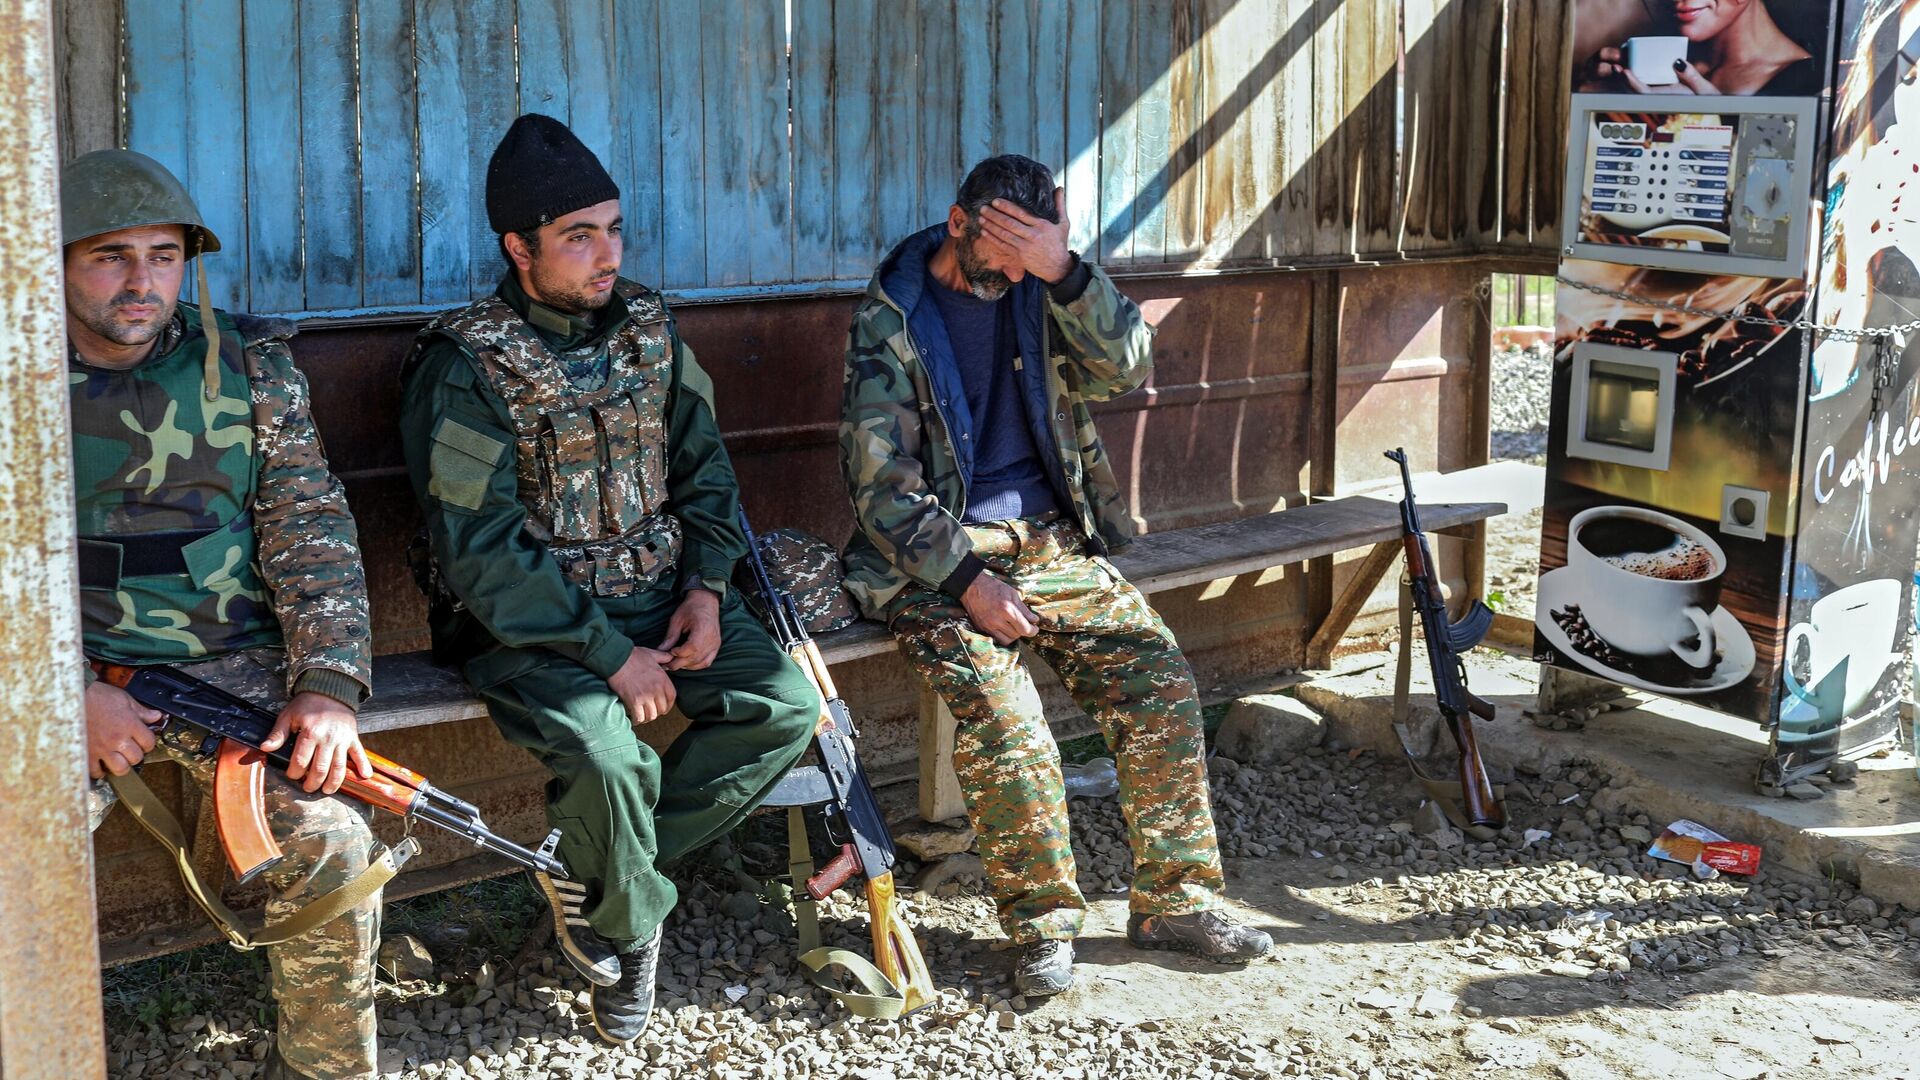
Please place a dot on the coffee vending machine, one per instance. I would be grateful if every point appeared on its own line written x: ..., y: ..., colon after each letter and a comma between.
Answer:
x: 1732, y: 467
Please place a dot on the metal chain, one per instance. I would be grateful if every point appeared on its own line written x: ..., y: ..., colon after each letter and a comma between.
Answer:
x: 1867, y: 333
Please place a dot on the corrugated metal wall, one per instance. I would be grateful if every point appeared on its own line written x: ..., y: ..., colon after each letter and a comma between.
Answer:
x: 340, y: 147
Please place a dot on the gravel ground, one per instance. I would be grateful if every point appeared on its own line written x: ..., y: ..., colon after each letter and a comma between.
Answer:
x: 1522, y: 387
x: 1332, y: 840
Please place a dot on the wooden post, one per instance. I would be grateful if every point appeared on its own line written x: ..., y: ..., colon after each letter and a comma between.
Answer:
x: 50, y: 1018
x: 940, y: 796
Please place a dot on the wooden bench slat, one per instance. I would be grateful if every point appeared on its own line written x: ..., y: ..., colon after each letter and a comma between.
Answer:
x: 411, y: 692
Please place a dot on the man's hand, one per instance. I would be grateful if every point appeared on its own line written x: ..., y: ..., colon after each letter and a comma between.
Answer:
x: 997, y: 610
x: 328, y: 742
x: 693, y: 634
x: 1038, y: 244
x: 120, y: 730
x: 642, y: 685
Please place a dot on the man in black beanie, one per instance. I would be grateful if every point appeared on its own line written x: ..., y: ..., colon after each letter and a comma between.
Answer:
x: 581, y: 514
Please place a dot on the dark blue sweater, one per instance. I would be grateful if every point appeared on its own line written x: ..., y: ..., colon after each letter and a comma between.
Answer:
x: 1009, y: 480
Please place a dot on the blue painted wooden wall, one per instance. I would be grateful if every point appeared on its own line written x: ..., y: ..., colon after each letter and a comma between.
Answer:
x: 339, y: 147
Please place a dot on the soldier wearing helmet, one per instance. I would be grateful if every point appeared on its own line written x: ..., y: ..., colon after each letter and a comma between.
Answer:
x: 213, y: 537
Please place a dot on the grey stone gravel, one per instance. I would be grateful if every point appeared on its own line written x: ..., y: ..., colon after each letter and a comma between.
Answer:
x: 1585, y: 903
x: 1522, y: 387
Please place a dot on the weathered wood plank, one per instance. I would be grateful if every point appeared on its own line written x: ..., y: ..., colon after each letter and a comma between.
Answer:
x: 1290, y: 223
x: 1517, y: 129
x: 1153, y: 150
x: 216, y: 150
x: 275, y: 271
x: 725, y: 97
x: 856, y: 134
x: 635, y: 91
x: 896, y: 98
x: 1194, y: 133
x: 491, y: 93
x: 544, y: 40
x: 1332, y: 182
x: 763, y: 79
x: 1048, y: 18
x: 329, y: 156
x: 88, y: 53
x: 1082, y: 128
x: 1366, y: 578
x: 1014, y: 65
x: 941, y: 796
x: 1485, y: 41
x: 156, y: 84
x: 389, y: 200
x: 1553, y: 26
x: 444, y: 154
x: 977, y: 67
x: 1119, y: 91
x: 813, y: 140
x: 593, y: 87
x: 938, y: 148
x: 683, y: 172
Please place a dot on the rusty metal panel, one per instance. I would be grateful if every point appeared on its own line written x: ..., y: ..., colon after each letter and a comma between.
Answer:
x: 49, y: 951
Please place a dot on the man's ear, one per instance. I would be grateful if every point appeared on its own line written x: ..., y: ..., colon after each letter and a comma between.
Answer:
x: 956, y: 221
x: 517, y: 252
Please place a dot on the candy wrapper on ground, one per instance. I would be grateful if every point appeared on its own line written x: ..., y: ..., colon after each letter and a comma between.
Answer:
x: 1707, y: 852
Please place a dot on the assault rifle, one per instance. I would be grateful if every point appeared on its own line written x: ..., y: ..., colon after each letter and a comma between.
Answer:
x: 838, y: 785
x: 239, y: 726
x: 1446, y: 640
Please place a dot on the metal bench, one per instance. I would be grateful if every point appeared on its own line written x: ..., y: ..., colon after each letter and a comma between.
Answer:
x: 412, y: 692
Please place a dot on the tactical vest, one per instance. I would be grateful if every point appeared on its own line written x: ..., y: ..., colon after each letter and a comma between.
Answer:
x: 164, y: 485
x: 591, y: 465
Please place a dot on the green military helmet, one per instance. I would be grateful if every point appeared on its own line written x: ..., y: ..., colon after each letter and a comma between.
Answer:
x: 110, y: 190
x: 808, y: 569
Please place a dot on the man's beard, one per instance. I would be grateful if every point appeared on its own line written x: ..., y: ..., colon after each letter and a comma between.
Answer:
x: 985, y: 283
x: 102, y: 321
x: 569, y: 297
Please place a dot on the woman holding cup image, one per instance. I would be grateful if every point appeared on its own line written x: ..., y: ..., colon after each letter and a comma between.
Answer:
x: 1709, y: 47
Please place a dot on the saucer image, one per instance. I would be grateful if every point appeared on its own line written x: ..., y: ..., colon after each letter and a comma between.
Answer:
x: 1736, y: 647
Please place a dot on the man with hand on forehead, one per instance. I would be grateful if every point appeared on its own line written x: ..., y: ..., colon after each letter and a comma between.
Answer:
x: 986, y: 506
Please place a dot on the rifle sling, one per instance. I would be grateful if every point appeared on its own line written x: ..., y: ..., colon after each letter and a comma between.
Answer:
x: 154, y: 817
x: 881, y: 1000
x: 1445, y: 793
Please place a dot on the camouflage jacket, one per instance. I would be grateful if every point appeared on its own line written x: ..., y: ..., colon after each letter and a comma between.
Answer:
x: 505, y: 570
x: 897, y: 448
x: 234, y: 489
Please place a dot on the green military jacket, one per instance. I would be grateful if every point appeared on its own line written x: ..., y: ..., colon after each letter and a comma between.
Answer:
x: 510, y: 590
x: 897, y: 454
x: 208, y: 519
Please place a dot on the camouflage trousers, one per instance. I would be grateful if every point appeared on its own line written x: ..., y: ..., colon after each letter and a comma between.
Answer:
x: 322, y: 981
x: 1126, y: 671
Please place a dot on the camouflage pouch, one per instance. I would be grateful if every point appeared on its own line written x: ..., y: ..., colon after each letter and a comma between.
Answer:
x: 572, y: 451
x: 808, y: 569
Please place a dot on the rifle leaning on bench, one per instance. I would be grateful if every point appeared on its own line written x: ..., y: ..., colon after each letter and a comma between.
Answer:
x: 838, y: 785
x: 239, y: 813
x: 1446, y: 641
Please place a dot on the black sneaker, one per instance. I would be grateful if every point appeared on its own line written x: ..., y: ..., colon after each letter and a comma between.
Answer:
x: 1207, y: 933
x: 587, y: 951
x: 620, y: 1011
x: 1045, y: 968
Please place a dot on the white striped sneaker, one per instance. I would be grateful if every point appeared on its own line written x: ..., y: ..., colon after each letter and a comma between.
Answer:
x: 587, y: 951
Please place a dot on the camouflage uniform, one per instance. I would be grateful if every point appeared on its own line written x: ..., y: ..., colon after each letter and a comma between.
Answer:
x: 807, y: 569
x: 912, y: 558
x: 574, y: 486
x: 271, y: 601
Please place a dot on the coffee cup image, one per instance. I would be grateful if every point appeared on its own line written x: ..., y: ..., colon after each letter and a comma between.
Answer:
x: 1848, y: 644
x: 1654, y: 60
x: 1647, y: 582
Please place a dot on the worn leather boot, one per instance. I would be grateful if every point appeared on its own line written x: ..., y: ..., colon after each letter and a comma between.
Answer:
x: 1207, y: 933
x: 1045, y: 968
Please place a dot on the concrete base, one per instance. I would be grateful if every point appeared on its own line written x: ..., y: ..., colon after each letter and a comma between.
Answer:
x: 1671, y: 761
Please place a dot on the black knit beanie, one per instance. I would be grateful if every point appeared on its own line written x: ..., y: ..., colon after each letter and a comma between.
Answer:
x: 540, y: 171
